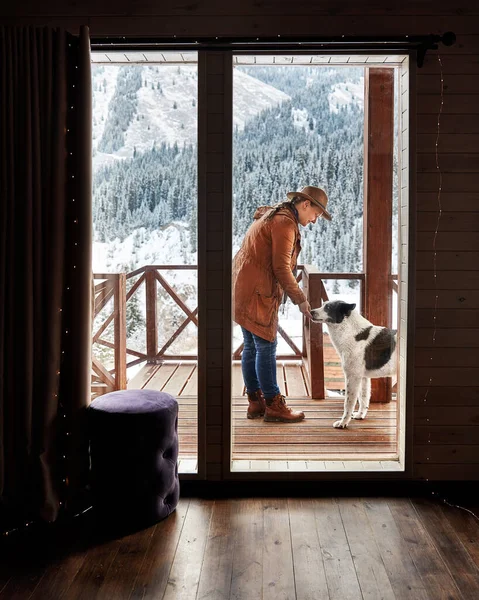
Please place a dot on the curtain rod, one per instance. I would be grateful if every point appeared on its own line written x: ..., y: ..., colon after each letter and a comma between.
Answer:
x: 243, y: 45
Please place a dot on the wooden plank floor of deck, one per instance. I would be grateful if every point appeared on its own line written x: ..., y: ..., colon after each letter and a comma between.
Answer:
x: 312, y: 439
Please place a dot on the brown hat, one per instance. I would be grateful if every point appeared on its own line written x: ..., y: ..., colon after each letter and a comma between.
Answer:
x: 315, y: 195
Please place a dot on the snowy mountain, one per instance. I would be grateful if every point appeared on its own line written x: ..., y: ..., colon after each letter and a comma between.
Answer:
x: 164, y: 107
x: 344, y: 93
x: 293, y: 127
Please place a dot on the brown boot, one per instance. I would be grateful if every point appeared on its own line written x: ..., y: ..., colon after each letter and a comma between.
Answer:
x: 256, y: 405
x: 278, y: 411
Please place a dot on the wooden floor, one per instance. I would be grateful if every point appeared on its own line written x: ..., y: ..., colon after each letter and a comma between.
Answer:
x: 314, y: 439
x: 269, y: 549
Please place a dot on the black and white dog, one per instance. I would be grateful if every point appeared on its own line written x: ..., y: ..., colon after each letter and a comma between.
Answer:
x: 366, y: 351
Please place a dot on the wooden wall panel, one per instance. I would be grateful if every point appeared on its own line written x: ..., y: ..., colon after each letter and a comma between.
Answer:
x: 453, y: 104
x: 452, y: 202
x: 447, y: 338
x: 460, y: 123
x: 172, y: 8
x: 446, y: 416
x: 453, y: 433
x: 289, y: 24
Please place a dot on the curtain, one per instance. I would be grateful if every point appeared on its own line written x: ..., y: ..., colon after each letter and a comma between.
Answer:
x: 45, y: 268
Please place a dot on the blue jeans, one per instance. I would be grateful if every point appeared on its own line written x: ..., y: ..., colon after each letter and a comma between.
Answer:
x: 258, y: 363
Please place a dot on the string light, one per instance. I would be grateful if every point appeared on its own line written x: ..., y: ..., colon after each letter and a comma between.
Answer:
x: 436, y: 294
x: 62, y: 502
x: 434, y: 241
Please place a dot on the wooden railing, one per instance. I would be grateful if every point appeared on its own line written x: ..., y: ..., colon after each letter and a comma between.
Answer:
x: 313, y: 351
x: 113, y: 287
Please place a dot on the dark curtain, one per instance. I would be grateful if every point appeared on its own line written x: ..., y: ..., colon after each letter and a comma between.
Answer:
x: 45, y: 268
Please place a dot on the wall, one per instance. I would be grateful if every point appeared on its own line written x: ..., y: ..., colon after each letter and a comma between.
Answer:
x: 445, y: 426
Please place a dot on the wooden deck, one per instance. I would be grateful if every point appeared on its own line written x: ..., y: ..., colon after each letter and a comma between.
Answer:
x: 314, y: 439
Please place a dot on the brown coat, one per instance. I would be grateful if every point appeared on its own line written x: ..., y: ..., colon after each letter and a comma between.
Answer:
x: 263, y: 269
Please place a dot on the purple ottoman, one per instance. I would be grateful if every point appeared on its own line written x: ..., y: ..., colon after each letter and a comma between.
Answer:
x: 134, y: 454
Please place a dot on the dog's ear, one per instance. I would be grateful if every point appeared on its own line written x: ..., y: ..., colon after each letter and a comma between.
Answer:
x: 348, y: 309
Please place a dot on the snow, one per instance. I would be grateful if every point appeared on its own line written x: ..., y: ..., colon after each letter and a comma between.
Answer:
x: 246, y: 88
x: 300, y: 118
x: 168, y: 114
x: 343, y: 94
x: 101, y: 99
x: 165, y: 246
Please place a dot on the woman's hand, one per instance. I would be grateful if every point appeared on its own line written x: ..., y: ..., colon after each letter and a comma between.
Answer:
x: 305, y: 308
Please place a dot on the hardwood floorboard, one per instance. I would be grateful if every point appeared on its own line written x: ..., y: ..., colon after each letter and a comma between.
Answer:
x: 184, y: 577
x: 216, y: 571
x: 433, y: 571
x: 371, y: 572
x: 19, y: 586
x: 309, y: 572
x: 449, y: 547
x: 38, y: 569
x: 119, y: 580
x: 4, y: 579
x: 340, y: 572
x: 403, y: 575
x: 278, y: 570
x: 247, y: 570
x: 59, y: 576
x: 152, y: 576
x: 252, y: 549
x: 87, y: 582
x: 466, y: 527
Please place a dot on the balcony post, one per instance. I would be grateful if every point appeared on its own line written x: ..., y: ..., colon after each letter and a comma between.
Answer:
x: 378, y: 190
x: 120, y: 331
x: 151, y: 316
x: 313, y: 334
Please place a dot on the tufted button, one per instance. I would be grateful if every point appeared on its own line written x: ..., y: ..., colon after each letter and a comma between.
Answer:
x: 168, y: 453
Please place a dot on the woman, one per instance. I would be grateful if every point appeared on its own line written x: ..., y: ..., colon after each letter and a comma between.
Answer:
x: 262, y: 271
